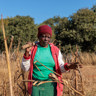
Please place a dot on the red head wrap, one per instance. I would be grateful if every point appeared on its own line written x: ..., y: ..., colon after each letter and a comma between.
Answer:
x: 44, y: 29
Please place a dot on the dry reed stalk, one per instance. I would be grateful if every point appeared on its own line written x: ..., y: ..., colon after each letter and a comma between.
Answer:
x: 48, y: 68
x: 7, y: 57
x: 21, y: 71
x: 19, y: 87
x: 38, y: 68
x: 21, y: 74
x: 76, y: 78
x: 75, y: 59
x: 39, y: 82
x: 10, y: 47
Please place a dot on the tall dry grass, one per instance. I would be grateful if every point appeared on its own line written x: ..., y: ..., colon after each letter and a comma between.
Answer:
x: 86, y: 77
x: 19, y: 87
x: 88, y: 58
x: 84, y: 58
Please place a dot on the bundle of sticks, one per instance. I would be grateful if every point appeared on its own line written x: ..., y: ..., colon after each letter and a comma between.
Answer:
x: 54, y: 79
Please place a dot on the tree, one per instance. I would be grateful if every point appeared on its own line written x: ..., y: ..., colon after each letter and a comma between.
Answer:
x: 93, y: 8
x: 65, y: 35
x: 79, y: 29
x: 84, y: 23
x: 22, y: 28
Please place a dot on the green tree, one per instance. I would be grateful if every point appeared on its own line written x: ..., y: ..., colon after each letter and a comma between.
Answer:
x: 83, y: 22
x: 79, y: 29
x: 64, y: 35
x: 22, y: 28
x: 93, y: 8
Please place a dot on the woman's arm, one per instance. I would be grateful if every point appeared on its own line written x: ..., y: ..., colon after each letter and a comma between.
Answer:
x: 66, y: 66
x: 62, y: 64
x: 25, y: 65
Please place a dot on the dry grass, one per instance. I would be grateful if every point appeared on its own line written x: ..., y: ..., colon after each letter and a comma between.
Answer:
x: 88, y: 74
x: 83, y: 58
x: 88, y: 59
x: 89, y: 80
x: 17, y: 76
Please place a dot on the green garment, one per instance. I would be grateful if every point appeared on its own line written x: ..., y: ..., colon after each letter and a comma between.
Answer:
x: 44, y: 56
x: 45, y: 89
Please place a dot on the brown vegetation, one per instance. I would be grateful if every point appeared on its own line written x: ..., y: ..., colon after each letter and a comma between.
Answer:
x: 88, y: 73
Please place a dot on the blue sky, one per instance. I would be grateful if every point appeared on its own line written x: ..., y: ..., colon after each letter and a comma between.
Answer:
x: 42, y: 10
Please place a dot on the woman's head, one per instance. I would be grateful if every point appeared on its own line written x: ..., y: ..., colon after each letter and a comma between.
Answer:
x: 44, y: 35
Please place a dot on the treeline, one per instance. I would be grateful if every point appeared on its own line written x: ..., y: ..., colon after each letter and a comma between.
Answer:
x: 22, y: 28
x: 77, y: 29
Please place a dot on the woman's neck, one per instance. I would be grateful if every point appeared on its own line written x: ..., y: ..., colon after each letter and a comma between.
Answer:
x: 45, y: 46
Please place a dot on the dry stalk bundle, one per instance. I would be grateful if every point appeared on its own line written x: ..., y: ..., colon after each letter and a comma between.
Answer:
x: 66, y: 83
x: 19, y: 86
x: 55, y: 79
x: 36, y: 82
x: 77, y: 73
x: 28, y: 45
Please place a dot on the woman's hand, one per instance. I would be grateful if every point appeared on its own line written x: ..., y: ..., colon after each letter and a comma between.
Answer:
x: 73, y: 65
x: 27, y: 50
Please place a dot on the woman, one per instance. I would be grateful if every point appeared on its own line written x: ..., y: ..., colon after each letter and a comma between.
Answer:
x: 49, y: 55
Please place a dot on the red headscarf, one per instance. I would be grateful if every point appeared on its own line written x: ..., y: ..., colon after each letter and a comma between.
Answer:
x: 44, y: 29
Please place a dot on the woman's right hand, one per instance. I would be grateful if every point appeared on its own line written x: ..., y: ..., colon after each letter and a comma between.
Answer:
x: 27, y: 50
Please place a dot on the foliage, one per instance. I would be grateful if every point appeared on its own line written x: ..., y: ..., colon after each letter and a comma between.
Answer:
x: 93, y: 8
x: 22, y: 28
x: 79, y: 29
x: 84, y: 23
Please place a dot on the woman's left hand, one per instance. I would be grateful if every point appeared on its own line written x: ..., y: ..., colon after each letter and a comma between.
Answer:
x: 74, y: 65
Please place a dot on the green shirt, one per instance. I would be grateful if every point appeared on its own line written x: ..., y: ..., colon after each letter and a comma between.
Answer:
x: 44, y: 56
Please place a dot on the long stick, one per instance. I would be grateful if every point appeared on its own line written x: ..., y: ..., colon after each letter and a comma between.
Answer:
x: 7, y: 56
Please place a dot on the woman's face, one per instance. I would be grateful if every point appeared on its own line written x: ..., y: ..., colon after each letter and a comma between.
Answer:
x: 44, y: 39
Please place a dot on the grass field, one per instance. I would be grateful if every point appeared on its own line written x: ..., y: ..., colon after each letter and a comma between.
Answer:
x: 88, y: 73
